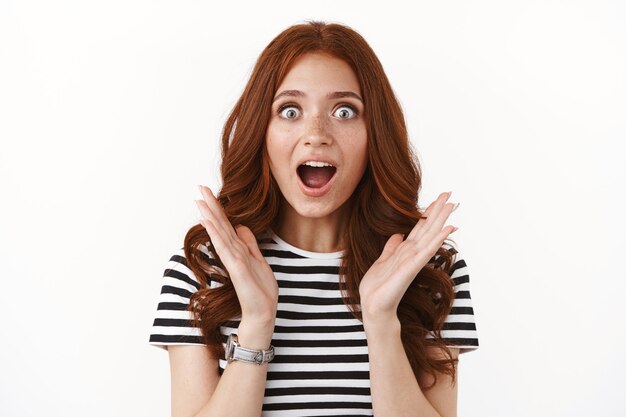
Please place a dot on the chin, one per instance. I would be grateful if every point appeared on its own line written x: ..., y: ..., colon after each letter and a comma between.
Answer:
x: 319, y: 209
x: 313, y: 211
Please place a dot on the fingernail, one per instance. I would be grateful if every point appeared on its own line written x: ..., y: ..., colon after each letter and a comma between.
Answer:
x: 449, y: 194
x: 456, y: 206
x: 455, y: 229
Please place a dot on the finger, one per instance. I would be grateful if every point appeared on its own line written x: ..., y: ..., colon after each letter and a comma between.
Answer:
x: 218, y: 242
x: 434, y: 216
x: 221, y: 239
x: 441, y: 237
x: 217, y: 228
x: 429, y: 206
x: 421, y: 221
x: 428, y: 210
x: 246, y: 235
x: 213, y: 204
x: 228, y: 256
x: 436, y: 226
x: 391, y: 245
x: 424, y: 224
x: 430, y: 248
x: 221, y: 220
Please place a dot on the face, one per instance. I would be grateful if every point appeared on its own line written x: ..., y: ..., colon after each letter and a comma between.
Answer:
x: 317, y: 115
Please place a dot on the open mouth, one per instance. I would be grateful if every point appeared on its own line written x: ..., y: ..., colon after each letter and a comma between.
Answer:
x: 316, y: 177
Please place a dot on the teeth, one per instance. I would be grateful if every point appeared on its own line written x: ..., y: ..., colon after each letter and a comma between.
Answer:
x: 317, y: 164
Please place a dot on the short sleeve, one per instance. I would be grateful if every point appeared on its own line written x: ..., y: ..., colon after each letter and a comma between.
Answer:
x: 459, y: 329
x: 172, y: 323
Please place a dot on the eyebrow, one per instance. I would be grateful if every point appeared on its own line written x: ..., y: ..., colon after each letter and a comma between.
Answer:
x: 334, y: 95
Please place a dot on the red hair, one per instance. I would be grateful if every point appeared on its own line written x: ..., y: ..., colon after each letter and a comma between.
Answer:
x: 384, y: 202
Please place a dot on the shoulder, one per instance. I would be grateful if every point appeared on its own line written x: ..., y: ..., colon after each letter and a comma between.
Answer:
x: 458, y: 271
x: 173, y: 322
x: 178, y: 278
x: 178, y: 271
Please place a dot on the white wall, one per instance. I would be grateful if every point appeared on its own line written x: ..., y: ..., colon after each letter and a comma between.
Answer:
x: 110, y: 114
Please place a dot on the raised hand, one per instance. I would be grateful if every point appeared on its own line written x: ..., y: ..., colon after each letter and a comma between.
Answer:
x: 385, y: 283
x: 252, y: 277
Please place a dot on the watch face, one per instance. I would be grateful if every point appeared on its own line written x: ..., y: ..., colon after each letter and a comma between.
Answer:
x: 230, y: 347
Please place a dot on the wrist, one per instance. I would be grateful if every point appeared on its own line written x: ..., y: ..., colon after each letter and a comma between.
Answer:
x: 236, y: 352
x: 381, y: 324
x: 255, y: 334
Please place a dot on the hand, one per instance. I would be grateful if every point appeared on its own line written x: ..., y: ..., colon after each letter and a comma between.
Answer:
x: 252, y: 277
x: 385, y: 283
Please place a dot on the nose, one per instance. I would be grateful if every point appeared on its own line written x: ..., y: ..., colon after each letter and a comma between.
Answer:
x: 316, y: 132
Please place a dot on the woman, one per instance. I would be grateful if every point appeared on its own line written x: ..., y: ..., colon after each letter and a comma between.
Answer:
x: 328, y: 296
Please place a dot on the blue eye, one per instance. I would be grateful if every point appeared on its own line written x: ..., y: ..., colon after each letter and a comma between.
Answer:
x: 289, y: 112
x: 346, y: 112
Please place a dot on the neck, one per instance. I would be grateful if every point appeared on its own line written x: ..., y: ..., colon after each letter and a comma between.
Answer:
x: 313, y: 234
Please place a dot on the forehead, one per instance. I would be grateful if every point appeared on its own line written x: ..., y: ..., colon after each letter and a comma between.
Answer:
x: 319, y: 71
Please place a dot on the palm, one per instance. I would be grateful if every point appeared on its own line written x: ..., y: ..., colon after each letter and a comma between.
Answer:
x: 388, y: 278
x: 384, y: 284
x: 261, y: 289
x: 252, y: 277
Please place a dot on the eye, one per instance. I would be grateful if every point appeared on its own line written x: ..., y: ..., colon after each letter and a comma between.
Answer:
x: 346, y: 112
x: 289, y: 111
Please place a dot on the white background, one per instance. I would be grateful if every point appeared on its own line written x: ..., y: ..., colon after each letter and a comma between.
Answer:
x: 110, y: 114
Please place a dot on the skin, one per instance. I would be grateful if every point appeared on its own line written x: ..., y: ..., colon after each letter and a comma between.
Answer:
x: 307, y: 123
x: 315, y: 124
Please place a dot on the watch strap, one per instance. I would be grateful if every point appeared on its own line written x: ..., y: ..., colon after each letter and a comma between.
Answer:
x: 235, y: 352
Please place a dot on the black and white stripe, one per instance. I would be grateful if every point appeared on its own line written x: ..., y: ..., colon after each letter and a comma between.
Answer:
x: 321, y: 364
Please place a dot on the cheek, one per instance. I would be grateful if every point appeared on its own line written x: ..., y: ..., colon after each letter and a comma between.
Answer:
x: 278, y: 136
x: 362, y: 153
x: 278, y: 151
x: 358, y: 142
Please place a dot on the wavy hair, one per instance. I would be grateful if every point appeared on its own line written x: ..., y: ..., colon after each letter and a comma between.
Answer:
x: 384, y: 202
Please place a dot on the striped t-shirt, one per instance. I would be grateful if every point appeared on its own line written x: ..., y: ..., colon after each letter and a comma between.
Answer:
x: 321, y: 364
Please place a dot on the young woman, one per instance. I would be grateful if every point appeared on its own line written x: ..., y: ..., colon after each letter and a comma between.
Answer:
x: 314, y: 285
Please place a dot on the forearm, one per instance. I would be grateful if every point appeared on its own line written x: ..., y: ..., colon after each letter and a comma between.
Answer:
x: 394, y: 389
x: 241, y: 387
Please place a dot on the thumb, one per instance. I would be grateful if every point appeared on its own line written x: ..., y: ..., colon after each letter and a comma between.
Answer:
x: 246, y: 235
x: 391, y: 245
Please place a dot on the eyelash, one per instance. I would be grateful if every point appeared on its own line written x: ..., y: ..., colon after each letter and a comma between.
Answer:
x: 284, y: 106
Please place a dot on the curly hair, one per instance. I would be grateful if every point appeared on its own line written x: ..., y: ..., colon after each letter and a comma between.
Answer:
x: 384, y: 202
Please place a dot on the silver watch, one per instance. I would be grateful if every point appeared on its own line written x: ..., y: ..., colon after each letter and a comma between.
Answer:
x: 234, y: 352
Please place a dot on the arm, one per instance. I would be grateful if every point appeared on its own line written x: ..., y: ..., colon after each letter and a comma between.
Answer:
x: 197, y: 388
x: 394, y: 389
x: 199, y: 391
